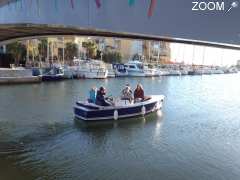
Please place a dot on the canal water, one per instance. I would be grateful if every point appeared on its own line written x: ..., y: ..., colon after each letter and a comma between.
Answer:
x: 196, y: 136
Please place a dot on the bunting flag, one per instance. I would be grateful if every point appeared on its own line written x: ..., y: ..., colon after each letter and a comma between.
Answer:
x: 72, y: 4
x: 152, y: 7
x: 131, y: 2
x: 98, y: 3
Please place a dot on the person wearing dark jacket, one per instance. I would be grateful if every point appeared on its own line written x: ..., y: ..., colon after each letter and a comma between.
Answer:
x: 139, y: 93
x: 100, y: 99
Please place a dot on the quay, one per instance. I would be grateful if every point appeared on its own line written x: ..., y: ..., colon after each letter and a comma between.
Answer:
x: 17, y: 76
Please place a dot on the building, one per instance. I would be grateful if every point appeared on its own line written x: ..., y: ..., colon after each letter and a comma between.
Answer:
x: 156, y: 52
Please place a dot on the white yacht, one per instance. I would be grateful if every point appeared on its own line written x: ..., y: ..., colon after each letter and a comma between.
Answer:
x: 135, y: 68
x: 149, y: 70
x: 120, y: 70
x: 139, y: 69
x: 163, y: 72
x: 92, y: 69
x: 111, y: 71
x: 68, y: 73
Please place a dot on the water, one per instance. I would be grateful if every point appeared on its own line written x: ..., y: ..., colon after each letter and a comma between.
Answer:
x: 195, y: 137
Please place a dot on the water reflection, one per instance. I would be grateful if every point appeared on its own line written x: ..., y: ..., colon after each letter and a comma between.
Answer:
x: 130, y: 122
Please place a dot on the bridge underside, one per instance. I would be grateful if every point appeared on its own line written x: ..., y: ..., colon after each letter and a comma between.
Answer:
x: 10, y: 32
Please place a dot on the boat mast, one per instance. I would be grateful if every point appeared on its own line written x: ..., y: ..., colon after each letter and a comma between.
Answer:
x: 149, y: 51
x: 193, y: 54
x: 52, y: 50
x: 63, y: 51
x: 183, y: 57
x: 159, y: 45
x: 47, y: 51
x: 203, y: 57
x: 27, y: 50
x: 222, y: 55
x: 33, y: 56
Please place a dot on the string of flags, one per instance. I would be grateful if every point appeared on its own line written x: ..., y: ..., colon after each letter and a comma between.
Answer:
x: 98, y: 3
x: 151, y: 8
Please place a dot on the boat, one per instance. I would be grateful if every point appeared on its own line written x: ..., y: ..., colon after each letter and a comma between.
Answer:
x: 90, y: 69
x: 162, y: 71
x: 231, y: 70
x: 111, y: 71
x: 135, y: 68
x: 119, y: 110
x: 150, y: 71
x: 52, y: 74
x: 68, y: 73
x: 120, y: 70
x: 169, y: 70
x: 174, y: 72
x: 184, y: 70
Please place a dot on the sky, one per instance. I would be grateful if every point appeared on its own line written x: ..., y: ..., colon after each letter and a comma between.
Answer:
x: 193, y: 54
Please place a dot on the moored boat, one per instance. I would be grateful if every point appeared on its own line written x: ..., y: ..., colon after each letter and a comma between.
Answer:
x: 68, y: 73
x: 111, y: 71
x: 52, y: 74
x: 89, y: 69
x: 150, y: 71
x: 135, y: 69
x: 120, y: 70
x: 91, y: 112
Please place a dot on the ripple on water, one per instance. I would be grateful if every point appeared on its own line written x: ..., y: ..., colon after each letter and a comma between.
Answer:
x: 196, y: 137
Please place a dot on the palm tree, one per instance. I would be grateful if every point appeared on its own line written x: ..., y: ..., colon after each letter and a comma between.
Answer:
x: 42, y: 48
x: 17, y: 50
x: 71, y: 51
x: 91, y: 48
x: 112, y: 57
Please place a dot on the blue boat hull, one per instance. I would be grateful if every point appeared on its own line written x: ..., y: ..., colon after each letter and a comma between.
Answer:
x: 52, y: 78
x: 88, y: 112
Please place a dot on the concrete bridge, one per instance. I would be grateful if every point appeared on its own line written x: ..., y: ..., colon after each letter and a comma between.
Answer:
x: 168, y: 20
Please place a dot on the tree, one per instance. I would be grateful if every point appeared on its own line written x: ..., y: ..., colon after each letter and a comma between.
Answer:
x: 71, y: 51
x: 42, y: 48
x: 17, y: 50
x: 112, y: 57
x: 33, y: 50
x: 91, y: 48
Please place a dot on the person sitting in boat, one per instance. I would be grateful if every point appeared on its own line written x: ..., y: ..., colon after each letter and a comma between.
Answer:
x: 100, y: 99
x: 139, y: 93
x: 92, y: 95
x: 127, y: 93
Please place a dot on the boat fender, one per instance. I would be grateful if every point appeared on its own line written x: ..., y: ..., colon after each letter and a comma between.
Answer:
x: 143, y: 110
x: 115, y: 115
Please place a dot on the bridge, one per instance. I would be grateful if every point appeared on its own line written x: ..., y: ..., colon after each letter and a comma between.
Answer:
x: 164, y: 20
